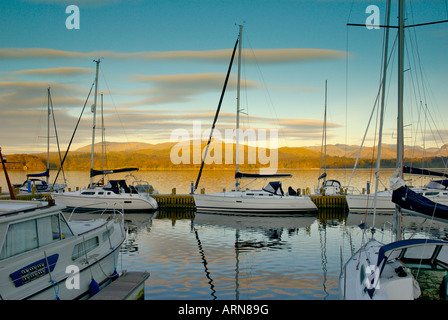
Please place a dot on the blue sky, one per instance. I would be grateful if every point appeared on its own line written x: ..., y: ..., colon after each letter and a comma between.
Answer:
x: 164, y: 63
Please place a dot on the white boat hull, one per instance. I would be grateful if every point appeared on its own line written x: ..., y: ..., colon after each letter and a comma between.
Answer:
x: 240, y: 202
x: 365, y: 202
x: 129, y: 202
x: 354, y: 282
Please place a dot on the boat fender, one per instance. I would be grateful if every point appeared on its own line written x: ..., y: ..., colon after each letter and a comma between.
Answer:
x: 115, y: 275
x: 94, y: 288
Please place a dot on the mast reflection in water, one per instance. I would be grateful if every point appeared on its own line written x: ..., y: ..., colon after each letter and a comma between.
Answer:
x: 199, y: 256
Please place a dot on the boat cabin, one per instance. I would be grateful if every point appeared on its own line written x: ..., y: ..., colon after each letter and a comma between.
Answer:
x: 22, y: 229
x: 423, y: 256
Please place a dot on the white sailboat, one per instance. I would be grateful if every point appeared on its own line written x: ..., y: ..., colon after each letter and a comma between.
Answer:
x: 270, y: 199
x: 116, y: 193
x: 328, y: 187
x: 33, y: 183
x: 380, y: 271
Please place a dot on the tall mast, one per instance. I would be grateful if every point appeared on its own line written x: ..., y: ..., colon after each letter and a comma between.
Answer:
x: 400, y: 139
x: 383, y: 96
x: 325, y: 132
x: 240, y: 39
x: 102, y: 134
x: 48, y: 132
x: 94, y: 120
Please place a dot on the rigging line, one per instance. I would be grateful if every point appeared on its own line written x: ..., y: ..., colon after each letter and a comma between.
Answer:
x: 73, y: 135
x: 56, y: 134
x: 368, y: 123
x: 244, y: 79
x: 425, y: 89
x: 346, y: 97
x: 216, y: 115
x: 266, y: 92
x: 38, y: 123
x: 113, y: 103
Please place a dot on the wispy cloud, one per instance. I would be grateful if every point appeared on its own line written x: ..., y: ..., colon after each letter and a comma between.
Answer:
x: 267, y: 56
x: 31, y: 94
x: 181, y: 87
x: 61, y: 71
x: 306, y: 124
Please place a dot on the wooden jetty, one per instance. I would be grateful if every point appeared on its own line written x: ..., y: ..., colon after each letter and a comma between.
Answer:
x: 186, y: 201
x: 129, y: 286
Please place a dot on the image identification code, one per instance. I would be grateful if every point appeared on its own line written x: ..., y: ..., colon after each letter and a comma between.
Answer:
x: 236, y: 309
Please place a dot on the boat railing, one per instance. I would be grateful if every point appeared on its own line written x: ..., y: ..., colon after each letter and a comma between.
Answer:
x: 141, y: 186
x: 116, y: 211
x: 350, y: 190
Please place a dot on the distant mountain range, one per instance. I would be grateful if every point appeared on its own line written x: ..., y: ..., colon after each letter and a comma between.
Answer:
x: 337, y: 150
x: 157, y: 157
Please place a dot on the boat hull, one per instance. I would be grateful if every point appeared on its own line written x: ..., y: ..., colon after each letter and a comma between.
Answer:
x: 129, y: 202
x: 354, y: 280
x: 235, y: 202
x: 365, y: 202
x: 384, y: 204
x: 62, y: 268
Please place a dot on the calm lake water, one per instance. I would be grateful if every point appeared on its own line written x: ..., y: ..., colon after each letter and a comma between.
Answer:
x: 193, y: 256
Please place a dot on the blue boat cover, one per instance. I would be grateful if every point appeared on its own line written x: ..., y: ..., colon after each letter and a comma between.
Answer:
x: 274, y: 187
x: 36, y: 175
x: 242, y: 175
x: 402, y: 246
x: 410, y: 200
x: 104, y: 172
x: 425, y: 172
x: 387, y: 249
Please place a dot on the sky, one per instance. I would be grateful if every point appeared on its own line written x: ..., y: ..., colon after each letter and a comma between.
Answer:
x: 163, y: 65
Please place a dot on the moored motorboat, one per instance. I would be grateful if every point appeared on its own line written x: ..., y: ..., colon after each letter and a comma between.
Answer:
x: 46, y: 255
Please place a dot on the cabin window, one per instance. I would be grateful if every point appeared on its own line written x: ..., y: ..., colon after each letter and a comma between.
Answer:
x: 431, y: 193
x: 101, y: 193
x: 88, y: 193
x: 65, y: 229
x: 31, y: 234
x: 81, y: 249
x: 48, y: 229
x: 21, y: 237
x: 106, y: 234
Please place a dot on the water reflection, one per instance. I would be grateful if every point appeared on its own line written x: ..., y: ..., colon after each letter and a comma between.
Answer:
x: 209, y: 256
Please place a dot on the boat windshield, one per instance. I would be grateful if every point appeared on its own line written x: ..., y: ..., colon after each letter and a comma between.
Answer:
x: 27, y: 235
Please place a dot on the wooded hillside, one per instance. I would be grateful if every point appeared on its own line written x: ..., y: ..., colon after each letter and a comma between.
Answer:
x: 159, y: 157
